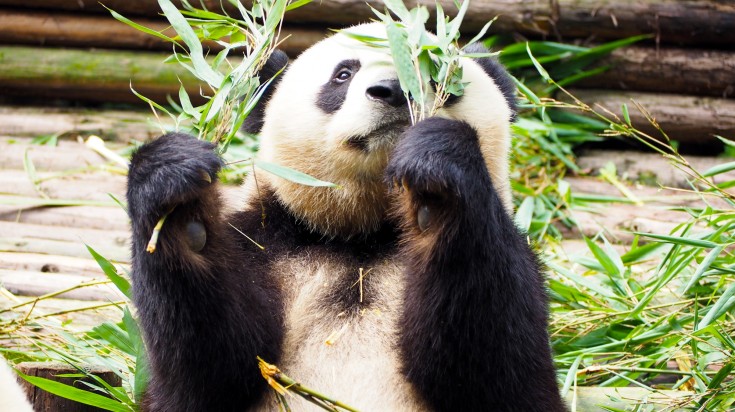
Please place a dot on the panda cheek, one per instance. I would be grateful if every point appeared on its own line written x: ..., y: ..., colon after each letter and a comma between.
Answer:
x: 196, y: 236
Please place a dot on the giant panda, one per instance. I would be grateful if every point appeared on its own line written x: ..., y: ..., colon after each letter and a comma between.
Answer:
x: 406, y: 288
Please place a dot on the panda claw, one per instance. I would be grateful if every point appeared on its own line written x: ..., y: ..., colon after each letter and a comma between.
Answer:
x: 205, y: 176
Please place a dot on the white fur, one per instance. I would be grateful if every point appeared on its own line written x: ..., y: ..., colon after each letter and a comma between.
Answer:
x: 12, y: 397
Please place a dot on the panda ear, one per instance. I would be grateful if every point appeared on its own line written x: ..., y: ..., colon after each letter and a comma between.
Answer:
x: 276, y: 62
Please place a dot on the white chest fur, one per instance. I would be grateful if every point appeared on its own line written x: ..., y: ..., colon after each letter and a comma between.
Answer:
x: 347, y: 353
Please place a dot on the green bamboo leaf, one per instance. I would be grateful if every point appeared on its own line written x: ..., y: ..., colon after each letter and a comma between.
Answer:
x: 719, y: 169
x: 720, y: 376
x: 680, y: 240
x: 626, y: 115
x: 291, y: 174
x: 544, y: 74
x: 110, y: 271
x: 524, y: 214
x: 481, y: 33
x: 723, y: 305
x: 75, y: 394
x: 137, y: 26
x: 398, y: 8
x: 202, y: 70
x: 401, y: 53
x: 297, y: 4
x: 453, y: 30
x: 704, y: 266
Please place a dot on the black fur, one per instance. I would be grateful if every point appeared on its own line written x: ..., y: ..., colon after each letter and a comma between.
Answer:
x: 473, y: 332
x: 277, y: 62
x: 333, y: 93
x: 202, y: 315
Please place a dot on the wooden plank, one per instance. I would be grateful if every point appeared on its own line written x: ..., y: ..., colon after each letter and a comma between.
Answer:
x: 672, y: 21
x: 686, y: 119
x: 90, y: 217
x: 673, y: 70
x: 43, y: 263
x: 76, y: 186
x: 29, y: 283
x: 64, y: 241
x: 649, y: 169
x: 116, y: 125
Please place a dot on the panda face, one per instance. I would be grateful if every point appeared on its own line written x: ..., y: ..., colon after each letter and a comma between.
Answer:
x: 341, y: 105
x: 337, y: 113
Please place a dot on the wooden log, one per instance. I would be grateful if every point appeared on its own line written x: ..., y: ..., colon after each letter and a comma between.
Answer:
x: 686, y: 119
x: 671, y: 21
x: 90, y: 187
x: 93, y: 75
x: 673, y: 70
x: 42, y: 28
x: 118, y: 125
x: 44, y: 401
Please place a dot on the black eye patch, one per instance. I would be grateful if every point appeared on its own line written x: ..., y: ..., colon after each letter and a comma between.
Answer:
x: 333, y: 93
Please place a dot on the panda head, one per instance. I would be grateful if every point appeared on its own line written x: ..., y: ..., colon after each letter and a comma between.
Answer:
x: 337, y: 112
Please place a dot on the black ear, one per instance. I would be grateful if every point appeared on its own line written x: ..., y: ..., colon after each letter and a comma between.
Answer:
x: 276, y: 62
x: 497, y: 72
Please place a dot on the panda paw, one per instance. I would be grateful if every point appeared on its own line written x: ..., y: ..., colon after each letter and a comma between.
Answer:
x: 171, y: 170
x: 436, y: 157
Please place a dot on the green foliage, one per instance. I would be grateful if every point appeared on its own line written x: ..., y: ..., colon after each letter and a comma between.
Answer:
x: 428, y: 67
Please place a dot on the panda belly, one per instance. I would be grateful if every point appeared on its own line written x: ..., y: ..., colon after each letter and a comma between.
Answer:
x: 341, y: 340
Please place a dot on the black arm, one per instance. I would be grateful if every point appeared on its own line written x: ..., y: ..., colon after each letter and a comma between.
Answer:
x: 474, y: 330
x: 205, y: 318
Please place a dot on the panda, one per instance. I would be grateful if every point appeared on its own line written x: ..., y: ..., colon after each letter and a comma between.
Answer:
x: 12, y: 397
x: 406, y: 288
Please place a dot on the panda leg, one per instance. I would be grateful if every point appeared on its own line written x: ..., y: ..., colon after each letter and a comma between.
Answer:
x: 474, y: 327
x: 205, y: 319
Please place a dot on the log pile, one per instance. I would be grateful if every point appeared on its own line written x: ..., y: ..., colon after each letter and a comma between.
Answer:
x: 87, y: 55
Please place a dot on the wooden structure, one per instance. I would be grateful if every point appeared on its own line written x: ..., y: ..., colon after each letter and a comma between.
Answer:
x: 74, y: 50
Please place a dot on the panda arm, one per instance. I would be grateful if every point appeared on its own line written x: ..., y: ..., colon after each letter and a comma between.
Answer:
x: 473, y: 330
x: 204, y: 316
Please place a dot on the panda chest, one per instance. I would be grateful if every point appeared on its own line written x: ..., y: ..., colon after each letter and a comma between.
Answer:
x: 327, y: 294
x: 341, y: 329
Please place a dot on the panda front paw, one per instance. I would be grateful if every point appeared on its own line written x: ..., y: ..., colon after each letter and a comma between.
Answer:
x: 437, y: 157
x: 171, y: 170
x: 437, y: 165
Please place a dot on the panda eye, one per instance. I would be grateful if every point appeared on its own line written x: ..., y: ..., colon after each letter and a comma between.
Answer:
x: 342, y: 75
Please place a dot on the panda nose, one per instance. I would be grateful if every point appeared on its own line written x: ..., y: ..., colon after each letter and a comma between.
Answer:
x: 387, y: 91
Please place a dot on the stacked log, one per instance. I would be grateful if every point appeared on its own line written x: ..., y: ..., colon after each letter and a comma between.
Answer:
x: 687, y: 57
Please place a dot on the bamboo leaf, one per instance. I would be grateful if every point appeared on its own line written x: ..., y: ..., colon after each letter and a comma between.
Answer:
x: 292, y: 175
x: 109, y: 269
x: 75, y: 394
x: 202, y: 70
